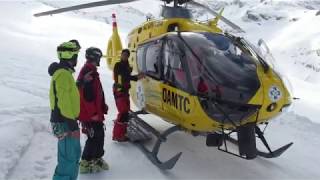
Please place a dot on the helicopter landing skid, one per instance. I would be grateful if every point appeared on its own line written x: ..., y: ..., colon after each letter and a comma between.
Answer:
x: 139, y: 132
x: 271, y: 154
x: 253, y: 151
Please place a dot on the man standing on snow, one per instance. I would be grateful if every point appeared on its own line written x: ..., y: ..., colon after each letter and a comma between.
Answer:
x: 65, y: 108
x: 122, y: 77
x: 92, y: 110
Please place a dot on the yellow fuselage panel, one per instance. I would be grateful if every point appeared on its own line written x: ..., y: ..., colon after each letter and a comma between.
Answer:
x: 151, y: 29
x: 154, y: 29
x: 174, y: 105
x: 271, y: 91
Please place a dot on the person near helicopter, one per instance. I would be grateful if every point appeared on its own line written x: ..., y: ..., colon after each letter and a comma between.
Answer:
x: 65, y: 108
x: 92, y: 111
x: 122, y: 77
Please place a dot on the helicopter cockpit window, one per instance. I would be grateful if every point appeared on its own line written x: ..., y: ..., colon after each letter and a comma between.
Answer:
x: 152, y: 59
x: 215, y: 58
x: 174, y: 73
x: 222, y: 70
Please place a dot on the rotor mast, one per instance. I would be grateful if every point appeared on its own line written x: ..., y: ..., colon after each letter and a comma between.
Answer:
x: 175, y: 11
x: 175, y: 3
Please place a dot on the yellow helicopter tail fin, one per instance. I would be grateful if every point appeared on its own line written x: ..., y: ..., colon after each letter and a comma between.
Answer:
x: 214, y: 22
x: 114, y: 45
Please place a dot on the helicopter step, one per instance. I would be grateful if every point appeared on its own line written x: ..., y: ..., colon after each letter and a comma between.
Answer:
x: 139, y: 132
x: 246, y: 142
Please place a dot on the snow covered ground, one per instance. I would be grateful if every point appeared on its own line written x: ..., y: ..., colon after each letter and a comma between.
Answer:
x: 27, y: 47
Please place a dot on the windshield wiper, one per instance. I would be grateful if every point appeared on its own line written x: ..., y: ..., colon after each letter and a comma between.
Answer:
x: 264, y: 64
x: 242, y: 43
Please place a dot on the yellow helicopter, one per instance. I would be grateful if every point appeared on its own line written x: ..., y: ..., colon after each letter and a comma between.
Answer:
x: 199, y: 78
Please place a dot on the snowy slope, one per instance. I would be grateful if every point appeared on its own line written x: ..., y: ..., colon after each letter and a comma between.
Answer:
x: 28, y: 150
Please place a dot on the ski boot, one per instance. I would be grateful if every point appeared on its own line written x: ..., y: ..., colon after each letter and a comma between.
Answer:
x: 89, y: 167
x: 119, y: 132
x: 102, y: 164
x: 84, y: 167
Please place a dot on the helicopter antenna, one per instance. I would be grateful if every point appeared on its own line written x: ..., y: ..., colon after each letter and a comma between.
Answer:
x: 114, y: 22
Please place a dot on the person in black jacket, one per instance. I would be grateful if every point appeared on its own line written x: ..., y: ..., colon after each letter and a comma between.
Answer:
x: 122, y: 77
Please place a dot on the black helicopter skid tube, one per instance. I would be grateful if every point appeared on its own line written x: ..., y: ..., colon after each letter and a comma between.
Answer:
x: 139, y: 132
x: 275, y: 153
x: 271, y: 154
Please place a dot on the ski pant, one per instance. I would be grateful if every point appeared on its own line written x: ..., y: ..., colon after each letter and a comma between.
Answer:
x: 69, y: 152
x: 120, y: 125
x: 93, y: 148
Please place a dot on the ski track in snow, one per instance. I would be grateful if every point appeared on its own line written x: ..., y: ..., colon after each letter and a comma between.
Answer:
x: 13, y: 78
x: 34, y: 120
x: 195, y: 156
x: 11, y: 84
x: 40, y: 166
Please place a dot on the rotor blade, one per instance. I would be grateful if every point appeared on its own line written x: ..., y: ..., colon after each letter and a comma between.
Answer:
x: 83, y: 6
x: 225, y: 20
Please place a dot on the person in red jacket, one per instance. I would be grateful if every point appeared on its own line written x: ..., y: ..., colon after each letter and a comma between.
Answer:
x: 122, y: 77
x: 92, y: 110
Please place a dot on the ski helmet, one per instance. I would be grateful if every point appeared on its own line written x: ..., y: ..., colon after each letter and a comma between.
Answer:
x: 94, y: 54
x: 67, y: 51
x: 76, y: 42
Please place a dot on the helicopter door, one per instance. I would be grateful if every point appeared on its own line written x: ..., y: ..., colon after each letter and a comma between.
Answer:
x: 176, y: 99
x: 148, y: 59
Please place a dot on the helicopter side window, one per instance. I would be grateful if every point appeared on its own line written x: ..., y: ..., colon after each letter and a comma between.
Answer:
x: 141, y: 54
x: 152, y: 59
x: 174, y: 72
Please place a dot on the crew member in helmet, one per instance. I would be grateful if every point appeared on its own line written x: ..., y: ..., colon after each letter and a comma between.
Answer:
x: 92, y: 110
x: 122, y: 77
x: 65, y: 108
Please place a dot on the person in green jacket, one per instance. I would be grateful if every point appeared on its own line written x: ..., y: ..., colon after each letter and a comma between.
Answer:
x: 65, y: 108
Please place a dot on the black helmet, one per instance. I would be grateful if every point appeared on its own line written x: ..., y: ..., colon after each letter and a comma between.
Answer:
x: 76, y: 42
x: 94, y: 54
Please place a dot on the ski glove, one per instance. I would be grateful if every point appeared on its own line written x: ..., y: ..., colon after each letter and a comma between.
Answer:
x: 87, y: 129
x: 58, y: 130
